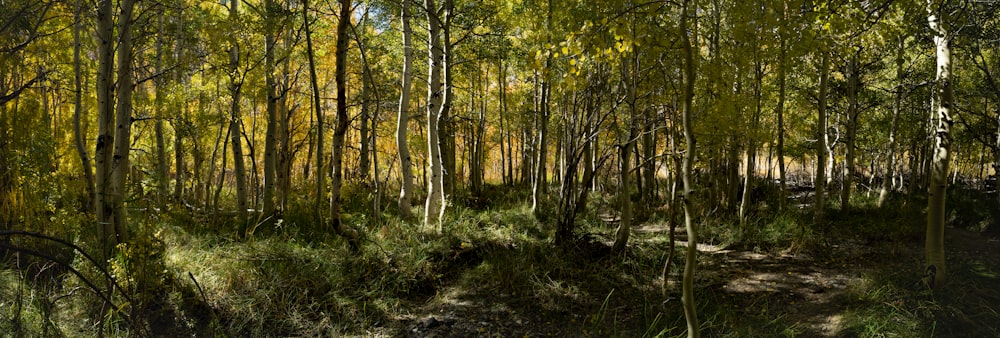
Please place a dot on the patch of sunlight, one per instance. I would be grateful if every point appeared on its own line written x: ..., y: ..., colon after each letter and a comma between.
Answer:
x: 455, y: 297
x: 759, y: 282
x: 831, y: 325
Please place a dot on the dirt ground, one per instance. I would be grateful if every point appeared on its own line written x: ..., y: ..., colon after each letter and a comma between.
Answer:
x: 807, y: 291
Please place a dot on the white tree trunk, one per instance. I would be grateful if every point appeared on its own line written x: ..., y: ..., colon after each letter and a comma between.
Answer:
x: 123, y: 118
x: 941, y: 156
x: 690, y: 256
x: 405, y: 162
x: 435, y: 187
x: 896, y: 107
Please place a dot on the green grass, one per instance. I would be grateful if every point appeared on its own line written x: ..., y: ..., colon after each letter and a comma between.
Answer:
x: 496, y: 264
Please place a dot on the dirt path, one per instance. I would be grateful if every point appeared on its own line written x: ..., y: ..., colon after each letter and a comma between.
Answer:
x: 806, y: 292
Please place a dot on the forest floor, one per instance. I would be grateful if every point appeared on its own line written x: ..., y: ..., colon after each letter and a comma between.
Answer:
x: 859, y: 276
x: 795, y: 292
x: 495, y: 272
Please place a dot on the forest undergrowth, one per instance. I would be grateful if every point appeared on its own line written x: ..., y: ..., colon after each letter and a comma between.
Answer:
x: 496, y: 272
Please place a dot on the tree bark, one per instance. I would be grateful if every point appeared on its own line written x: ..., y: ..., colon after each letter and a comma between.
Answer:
x: 446, y: 128
x: 821, y: 144
x: 235, y: 88
x: 625, y: 224
x: 625, y: 165
x: 161, y: 152
x: 853, y: 80
x: 751, y: 162
x: 78, y: 110
x: 364, y: 141
x: 435, y: 187
x: 104, y: 150
x: 897, y: 104
x: 934, y: 245
x: 271, y: 130
x: 123, y: 120
x: 180, y: 124
x: 690, y: 256
x: 540, y: 185
x: 340, y: 129
x: 403, y: 117
x: 318, y: 107
x: 781, y: 122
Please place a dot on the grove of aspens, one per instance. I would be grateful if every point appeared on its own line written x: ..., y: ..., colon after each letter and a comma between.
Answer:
x: 499, y: 168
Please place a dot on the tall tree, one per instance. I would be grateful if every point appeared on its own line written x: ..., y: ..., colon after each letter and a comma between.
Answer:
x: 941, y: 156
x: 123, y: 117
x: 317, y: 105
x: 78, y: 110
x: 405, y: 162
x: 104, y: 150
x: 162, y: 167
x: 271, y: 12
x: 540, y: 179
x: 630, y: 74
x: 435, y: 187
x: 446, y: 127
x: 114, y: 123
x: 853, y: 82
x: 897, y: 103
x: 235, y: 117
x: 341, y: 126
x: 780, y: 108
x: 690, y: 255
x: 822, y: 136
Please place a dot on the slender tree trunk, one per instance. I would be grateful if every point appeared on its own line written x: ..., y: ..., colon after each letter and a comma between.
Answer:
x: 235, y: 87
x: 690, y: 256
x: 104, y: 150
x: 446, y: 128
x: 996, y: 159
x: 934, y: 245
x: 781, y: 122
x: 625, y: 224
x: 648, y: 159
x: 852, y: 121
x: 625, y: 172
x: 181, y: 123
x: 405, y: 162
x: 284, y: 158
x: 340, y: 129
x: 317, y: 104
x: 435, y: 187
x: 821, y: 145
x: 540, y: 185
x: 123, y: 120
x: 477, y: 139
x: 162, y: 167
x: 369, y: 122
x: 271, y: 130
x: 78, y: 110
x: 364, y: 141
x: 506, y: 154
x: 751, y: 162
x: 897, y: 104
